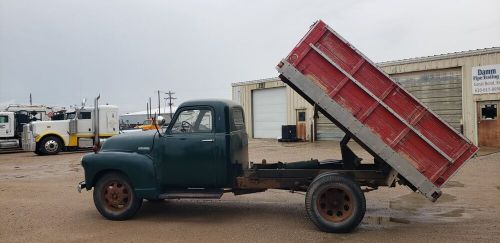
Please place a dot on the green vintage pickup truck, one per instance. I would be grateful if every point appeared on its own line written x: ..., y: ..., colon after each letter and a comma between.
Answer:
x: 204, y: 153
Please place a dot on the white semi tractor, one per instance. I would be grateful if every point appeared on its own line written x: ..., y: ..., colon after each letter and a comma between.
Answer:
x: 82, y: 128
x: 14, y: 117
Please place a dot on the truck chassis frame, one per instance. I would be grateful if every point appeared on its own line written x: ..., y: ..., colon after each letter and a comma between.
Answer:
x: 278, y: 176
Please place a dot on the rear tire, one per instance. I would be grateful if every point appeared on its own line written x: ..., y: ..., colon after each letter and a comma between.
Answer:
x: 115, y: 198
x: 335, y: 203
x: 49, y: 146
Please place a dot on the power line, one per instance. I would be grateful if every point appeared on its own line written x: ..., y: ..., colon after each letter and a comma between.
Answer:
x: 170, y: 97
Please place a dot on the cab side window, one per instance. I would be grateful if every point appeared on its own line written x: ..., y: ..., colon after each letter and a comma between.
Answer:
x: 84, y: 115
x: 238, y: 120
x: 194, y: 121
x: 4, y: 119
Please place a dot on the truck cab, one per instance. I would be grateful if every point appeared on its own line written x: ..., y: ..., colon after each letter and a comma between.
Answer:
x: 204, y: 147
x: 12, y: 122
x: 7, y: 130
x: 79, y: 130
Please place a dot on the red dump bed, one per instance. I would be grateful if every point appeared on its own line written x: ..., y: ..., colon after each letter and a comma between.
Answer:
x: 370, y: 106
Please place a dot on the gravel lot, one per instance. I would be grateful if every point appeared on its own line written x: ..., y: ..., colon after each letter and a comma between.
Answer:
x: 39, y: 202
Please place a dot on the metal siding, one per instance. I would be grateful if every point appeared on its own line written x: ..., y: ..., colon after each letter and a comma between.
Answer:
x: 296, y: 102
x: 440, y: 90
x: 466, y: 62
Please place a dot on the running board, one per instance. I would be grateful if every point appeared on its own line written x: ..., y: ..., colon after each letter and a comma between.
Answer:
x: 192, y: 194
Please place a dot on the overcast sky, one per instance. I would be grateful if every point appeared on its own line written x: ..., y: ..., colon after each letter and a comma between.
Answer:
x: 63, y: 51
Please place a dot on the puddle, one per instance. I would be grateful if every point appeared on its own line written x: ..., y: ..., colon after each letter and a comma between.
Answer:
x: 415, y: 201
x: 383, y: 220
x: 453, y: 213
x: 415, y: 208
x: 451, y: 184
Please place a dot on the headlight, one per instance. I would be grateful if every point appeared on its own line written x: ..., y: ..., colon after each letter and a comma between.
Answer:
x: 33, y: 130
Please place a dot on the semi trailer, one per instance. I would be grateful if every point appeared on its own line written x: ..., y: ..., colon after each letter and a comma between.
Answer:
x: 204, y: 151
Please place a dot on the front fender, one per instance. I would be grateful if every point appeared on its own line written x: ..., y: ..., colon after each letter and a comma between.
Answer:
x: 138, y: 168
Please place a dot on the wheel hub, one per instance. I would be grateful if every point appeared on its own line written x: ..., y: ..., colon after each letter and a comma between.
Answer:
x: 335, y: 204
x: 51, y: 146
x: 116, y: 196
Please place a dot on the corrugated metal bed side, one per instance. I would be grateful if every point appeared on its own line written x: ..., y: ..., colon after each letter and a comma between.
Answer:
x: 375, y: 109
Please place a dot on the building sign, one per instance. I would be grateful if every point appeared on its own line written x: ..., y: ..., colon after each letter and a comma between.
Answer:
x: 486, y: 79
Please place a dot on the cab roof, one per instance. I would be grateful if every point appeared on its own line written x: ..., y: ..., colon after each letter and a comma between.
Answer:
x: 210, y: 102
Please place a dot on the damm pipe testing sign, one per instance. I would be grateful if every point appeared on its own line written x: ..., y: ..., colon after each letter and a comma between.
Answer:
x: 486, y: 79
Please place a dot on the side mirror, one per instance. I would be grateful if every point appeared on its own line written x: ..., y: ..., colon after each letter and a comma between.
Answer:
x: 160, y: 120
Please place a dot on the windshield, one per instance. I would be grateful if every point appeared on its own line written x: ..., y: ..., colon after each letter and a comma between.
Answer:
x: 70, y: 115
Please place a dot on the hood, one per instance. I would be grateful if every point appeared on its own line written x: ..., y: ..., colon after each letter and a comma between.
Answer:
x: 48, y: 123
x: 139, y: 142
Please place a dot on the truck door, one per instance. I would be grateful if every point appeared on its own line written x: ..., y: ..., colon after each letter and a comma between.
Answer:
x: 189, y: 151
x: 85, y: 123
x: 6, y: 124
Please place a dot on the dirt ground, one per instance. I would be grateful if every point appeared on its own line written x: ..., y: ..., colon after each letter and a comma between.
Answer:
x: 39, y: 202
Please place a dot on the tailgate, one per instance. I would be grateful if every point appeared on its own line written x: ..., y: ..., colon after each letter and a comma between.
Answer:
x: 375, y: 110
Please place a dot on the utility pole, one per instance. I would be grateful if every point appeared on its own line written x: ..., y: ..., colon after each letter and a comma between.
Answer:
x: 159, y: 111
x: 150, y: 114
x: 170, y: 97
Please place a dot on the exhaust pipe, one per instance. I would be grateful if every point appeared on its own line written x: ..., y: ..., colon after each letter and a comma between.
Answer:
x: 97, y: 142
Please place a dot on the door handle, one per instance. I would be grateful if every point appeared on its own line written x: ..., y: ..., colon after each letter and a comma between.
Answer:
x: 207, y: 140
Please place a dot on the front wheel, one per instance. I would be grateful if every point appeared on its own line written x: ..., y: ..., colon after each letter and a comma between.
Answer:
x: 335, y: 203
x: 115, y: 198
x: 49, y: 146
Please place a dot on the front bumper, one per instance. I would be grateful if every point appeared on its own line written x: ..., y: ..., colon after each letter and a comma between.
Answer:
x: 80, y: 186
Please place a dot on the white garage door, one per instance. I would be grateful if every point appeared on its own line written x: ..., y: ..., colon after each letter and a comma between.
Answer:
x: 269, y: 112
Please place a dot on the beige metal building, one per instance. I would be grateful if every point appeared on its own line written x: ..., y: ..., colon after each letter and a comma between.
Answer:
x: 462, y: 87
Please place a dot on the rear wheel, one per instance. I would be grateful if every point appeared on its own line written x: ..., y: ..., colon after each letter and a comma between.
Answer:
x: 335, y: 203
x: 115, y: 198
x: 49, y: 145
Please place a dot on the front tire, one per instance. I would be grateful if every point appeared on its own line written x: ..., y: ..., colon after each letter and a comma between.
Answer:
x: 115, y: 198
x: 49, y: 146
x: 335, y: 203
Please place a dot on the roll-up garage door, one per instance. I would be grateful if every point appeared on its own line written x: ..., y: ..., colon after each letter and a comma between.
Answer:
x: 269, y: 112
x: 326, y: 130
x: 440, y: 90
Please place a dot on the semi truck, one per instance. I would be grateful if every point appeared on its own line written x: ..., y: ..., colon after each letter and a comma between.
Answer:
x: 14, y: 117
x: 204, y: 151
x: 82, y: 128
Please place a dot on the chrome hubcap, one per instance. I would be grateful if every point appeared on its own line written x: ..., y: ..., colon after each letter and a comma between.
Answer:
x: 51, y: 146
